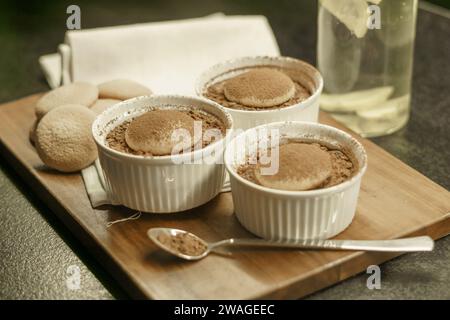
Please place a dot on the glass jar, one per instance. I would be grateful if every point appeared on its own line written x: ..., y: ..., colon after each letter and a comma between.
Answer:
x: 365, y: 54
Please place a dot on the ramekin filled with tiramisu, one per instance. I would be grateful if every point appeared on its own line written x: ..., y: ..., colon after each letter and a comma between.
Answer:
x: 295, y: 180
x: 259, y: 90
x: 162, y: 154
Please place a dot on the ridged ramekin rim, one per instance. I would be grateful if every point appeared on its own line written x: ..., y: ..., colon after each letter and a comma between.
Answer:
x: 302, y: 194
x: 303, y: 104
x: 166, y: 158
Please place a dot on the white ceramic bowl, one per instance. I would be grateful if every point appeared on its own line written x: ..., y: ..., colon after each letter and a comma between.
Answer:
x: 158, y: 184
x: 300, y: 71
x: 295, y: 215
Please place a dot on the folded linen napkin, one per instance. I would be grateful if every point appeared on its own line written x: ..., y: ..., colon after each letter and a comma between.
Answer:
x: 165, y: 56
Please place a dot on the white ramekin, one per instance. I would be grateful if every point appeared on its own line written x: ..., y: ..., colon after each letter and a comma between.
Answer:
x: 159, y: 184
x: 295, y: 215
x: 304, y: 73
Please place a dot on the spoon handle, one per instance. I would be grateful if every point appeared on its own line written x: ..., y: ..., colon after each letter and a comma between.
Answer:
x: 423, y: 243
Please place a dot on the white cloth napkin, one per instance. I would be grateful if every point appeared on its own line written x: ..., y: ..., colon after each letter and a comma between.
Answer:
x: 165, y: 56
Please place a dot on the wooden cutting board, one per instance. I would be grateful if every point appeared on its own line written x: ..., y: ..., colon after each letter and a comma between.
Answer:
x: 395, y: 201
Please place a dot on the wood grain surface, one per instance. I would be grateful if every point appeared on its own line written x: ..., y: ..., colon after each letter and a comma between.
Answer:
x: 395, y: 201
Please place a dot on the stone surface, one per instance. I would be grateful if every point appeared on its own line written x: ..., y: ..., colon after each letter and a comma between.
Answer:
x: 36, y: 249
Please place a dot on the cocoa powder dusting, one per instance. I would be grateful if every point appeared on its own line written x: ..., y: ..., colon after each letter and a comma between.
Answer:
x: 116, y: 137
x: 183, y: 243
x: 216, y: 93
x: 343, y: 168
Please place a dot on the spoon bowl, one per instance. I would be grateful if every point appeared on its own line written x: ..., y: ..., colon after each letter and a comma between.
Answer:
x: 157, y: 234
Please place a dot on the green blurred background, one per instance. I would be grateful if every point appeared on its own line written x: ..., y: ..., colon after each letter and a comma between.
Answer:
x: 443, y: 3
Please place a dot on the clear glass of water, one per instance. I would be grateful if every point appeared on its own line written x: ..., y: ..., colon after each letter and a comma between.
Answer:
x: 365, y: 54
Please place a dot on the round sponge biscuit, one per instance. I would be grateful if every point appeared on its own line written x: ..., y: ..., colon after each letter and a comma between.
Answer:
x: 152, y: 131
x: 262, y: 87
x: 81, y: 93
x: 122, y: 89
x: 64, y: 140
x: 302, y: 166
x: 102, y: 104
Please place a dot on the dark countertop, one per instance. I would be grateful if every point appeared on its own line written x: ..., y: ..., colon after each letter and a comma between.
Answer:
x: 36, y: 249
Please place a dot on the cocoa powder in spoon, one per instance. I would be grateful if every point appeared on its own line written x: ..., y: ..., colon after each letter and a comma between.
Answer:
x: 183, y: 243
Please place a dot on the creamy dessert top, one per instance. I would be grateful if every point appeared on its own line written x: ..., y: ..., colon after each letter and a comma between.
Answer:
x: 259, y: 88
x: 304, y: 166
x: 150, y: 134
